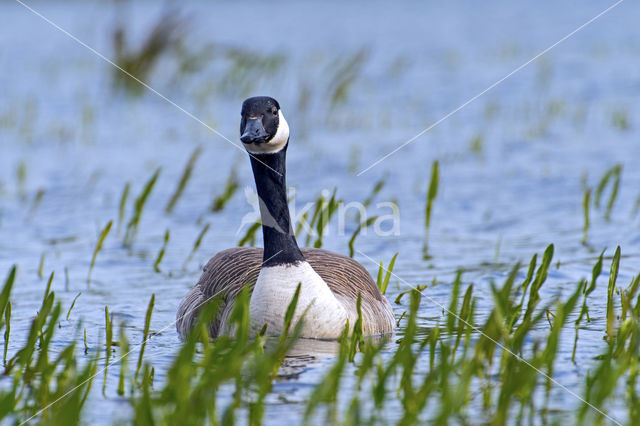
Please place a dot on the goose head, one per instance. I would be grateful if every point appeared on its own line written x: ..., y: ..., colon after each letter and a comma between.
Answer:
x: 263, y: 129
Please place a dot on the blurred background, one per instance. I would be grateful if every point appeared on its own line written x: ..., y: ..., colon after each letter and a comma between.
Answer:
x: 523, y: 165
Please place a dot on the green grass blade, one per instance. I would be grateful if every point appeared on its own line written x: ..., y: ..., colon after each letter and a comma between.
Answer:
x: 138, y: 207
x: 432, y: 193
x: 196, y: 245
x: 7, y: 330
x: 145, y: 333
x: 72, y: 305
x: 160, y: 256
x: 124, y: 350
x: 101, y: 238
x: 230, y: 188
x: 613, y: 276
x: 367, y: 223
x: 184, y: 179
x: 122, y: 205
x: 585, y: 210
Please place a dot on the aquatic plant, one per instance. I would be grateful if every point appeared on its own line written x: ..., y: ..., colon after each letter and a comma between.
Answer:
x: 138, y: 206
x: 160, y: 256
x: 345, y: 71
x: 75, y: 299
x: 619, y: 119
x: 145, y: 333
x: 122, y: 205
x: 323, y: 211
x: 108, y: 324
x: 230, y: 188
x: 384, y: 274
x: 196, y: 245
x: 44, y: 383
x: 250, y: 236
x: 326, y: 208
x: 586, y: 200
x: 377, y: 187
x: 477, y: 144
x: 96, y: 250
x: 613, y: 276
x: 124, y: 349
x: 37, y: 199
x: 432, y: 192
x: 164, y: 35
x: 7, y: 330
x: 613, y: 175
x: 365, y: 224
x: 41, y: 265
x: 184, y: 179
x: 439, y: 375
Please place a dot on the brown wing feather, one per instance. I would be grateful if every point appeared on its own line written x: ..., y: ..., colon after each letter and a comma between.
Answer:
x: 230, y: 270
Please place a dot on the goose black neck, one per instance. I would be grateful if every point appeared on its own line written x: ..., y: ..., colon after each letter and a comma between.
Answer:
x: 269, y: 172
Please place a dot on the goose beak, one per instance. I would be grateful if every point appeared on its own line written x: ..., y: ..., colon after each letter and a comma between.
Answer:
x: 254, y: 132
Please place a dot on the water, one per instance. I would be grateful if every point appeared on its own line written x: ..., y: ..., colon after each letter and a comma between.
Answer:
x: 542, y: 130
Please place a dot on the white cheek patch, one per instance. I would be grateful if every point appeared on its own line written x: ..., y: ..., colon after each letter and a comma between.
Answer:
x: 278, y: 141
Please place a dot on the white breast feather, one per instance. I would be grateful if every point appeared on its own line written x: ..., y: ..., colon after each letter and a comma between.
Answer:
x: 324, y: 316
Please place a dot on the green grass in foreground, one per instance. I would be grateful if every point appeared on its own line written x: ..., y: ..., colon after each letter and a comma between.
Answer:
x: 447, y: 373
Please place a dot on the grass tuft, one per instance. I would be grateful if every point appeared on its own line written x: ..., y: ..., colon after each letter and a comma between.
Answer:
x: 431, y: 195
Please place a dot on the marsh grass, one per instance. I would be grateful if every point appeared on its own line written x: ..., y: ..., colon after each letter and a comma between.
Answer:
x: 230, y: 187
x: 164, y: 35
x: 108, y: 324
x: 75, y: 299
x: 145, y: 333
x: 365, y: 224
x: 249, y: 237
x: 124, y: 350
x: 101, y: 237
x: 184, y: 179
x: 37, y: 200
x: 384, y: 274
x: 138, y: 207
x: 7, y: 331
x: 432, y: 193
x: 619, y: 119
x: 345, y: 70
x: 612, y: 175
x: 499, y: 361
x: 41, y: 265
x: 323, y: 211
x: 160, y: 256
x: 586, y: 199
x: 122, y: 205
x: 196, y: 245
x: 377, y: 187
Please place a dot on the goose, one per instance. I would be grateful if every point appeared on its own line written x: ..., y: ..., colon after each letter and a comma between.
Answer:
x: 329, y: 282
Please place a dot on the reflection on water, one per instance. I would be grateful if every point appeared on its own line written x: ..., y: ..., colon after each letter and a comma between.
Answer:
x: 355, y: 83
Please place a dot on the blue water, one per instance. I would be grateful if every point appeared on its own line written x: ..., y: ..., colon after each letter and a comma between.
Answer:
x: 544, y: 130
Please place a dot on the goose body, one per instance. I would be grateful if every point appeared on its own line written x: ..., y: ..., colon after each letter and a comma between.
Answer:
x: 330, y: 282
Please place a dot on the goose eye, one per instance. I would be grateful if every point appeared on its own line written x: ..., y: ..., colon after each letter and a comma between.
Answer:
x: 274, y: 111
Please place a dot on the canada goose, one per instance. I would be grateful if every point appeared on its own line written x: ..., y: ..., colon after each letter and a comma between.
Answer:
x: 330, y: 282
